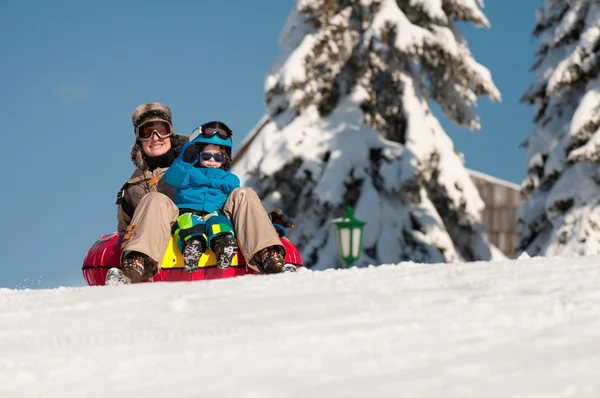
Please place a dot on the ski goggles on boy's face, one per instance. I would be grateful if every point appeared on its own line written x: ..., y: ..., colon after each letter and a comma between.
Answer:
x: 147, y: 130
x: 206, y: 156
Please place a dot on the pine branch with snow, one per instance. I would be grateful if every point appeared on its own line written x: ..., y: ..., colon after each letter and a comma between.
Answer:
x: 560, y: 213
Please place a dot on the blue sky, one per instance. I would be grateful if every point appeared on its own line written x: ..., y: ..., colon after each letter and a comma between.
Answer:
x: 73, y: 71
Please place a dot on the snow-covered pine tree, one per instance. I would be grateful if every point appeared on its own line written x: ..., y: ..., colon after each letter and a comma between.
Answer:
x: 349, y: 124
x: 560, y: 213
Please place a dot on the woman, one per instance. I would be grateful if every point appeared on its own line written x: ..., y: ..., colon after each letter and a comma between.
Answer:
x: 146, y: 209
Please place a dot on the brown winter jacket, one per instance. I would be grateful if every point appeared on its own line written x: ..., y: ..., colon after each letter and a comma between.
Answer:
x: 143, y: 181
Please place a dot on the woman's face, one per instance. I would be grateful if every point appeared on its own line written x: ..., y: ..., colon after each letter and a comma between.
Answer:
x: 156, y: 146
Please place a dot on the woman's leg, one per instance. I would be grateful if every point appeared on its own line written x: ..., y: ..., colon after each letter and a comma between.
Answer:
x: 253, y: 228
x: 150, y: 229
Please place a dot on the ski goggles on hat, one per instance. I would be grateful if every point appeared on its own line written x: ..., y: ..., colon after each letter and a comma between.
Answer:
x: 206, y: 156
x: 210, y: 129
x: 147, y: 130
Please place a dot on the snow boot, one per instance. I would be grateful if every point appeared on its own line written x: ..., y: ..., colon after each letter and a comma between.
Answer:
x: 289, y: 268
x: 115, y: 277
x: 134, y: 265
x: 225, y: 249
x: 191, y: 254
x: 271, y: 260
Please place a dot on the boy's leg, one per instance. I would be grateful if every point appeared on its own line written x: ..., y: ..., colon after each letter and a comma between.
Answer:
x: 221, y: 238
x: 216, y: 225
x: 191, y: 239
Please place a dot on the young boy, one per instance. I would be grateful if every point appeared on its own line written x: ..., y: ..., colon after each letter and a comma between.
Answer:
x: 203, y: 180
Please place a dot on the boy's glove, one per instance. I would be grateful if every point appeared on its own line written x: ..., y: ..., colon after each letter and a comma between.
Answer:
x: 188, y: 153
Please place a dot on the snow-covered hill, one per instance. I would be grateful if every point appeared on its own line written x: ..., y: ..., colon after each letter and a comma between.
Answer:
x: 524, y: 328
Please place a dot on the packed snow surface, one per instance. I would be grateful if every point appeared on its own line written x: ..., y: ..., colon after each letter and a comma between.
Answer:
x: 522, y: 328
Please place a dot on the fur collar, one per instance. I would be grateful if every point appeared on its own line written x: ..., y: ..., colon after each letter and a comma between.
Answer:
x: 137, y: 158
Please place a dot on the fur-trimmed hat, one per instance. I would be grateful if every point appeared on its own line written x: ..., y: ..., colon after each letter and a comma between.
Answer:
x: 151, y: 112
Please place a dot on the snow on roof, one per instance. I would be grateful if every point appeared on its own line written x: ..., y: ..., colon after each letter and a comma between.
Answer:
x: 249, y: 138
x: 494, y: 180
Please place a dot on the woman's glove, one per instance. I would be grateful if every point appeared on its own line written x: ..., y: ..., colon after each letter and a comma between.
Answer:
x: 278, y: 216
x: 188, y: 153
x: 281, y: 221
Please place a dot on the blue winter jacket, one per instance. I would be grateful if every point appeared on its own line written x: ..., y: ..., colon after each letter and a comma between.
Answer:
x: 201, y: 189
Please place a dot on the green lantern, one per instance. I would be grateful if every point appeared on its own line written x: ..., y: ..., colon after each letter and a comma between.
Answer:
x: 349, y: 234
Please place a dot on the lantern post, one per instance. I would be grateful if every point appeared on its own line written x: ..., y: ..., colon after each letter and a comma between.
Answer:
x: 349, y: 235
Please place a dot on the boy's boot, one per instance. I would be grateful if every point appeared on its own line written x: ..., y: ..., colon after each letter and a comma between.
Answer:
x: 225, y: 249
x: 191, y: 254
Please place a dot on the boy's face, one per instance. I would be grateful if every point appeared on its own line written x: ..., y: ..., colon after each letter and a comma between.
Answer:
x: 212, y: 162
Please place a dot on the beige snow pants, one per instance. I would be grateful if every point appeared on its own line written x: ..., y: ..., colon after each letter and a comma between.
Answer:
x: 150, y: 228
x: 251, y: 223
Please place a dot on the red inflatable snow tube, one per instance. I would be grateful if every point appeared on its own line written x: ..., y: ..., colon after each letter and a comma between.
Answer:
x: 106, y: 253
